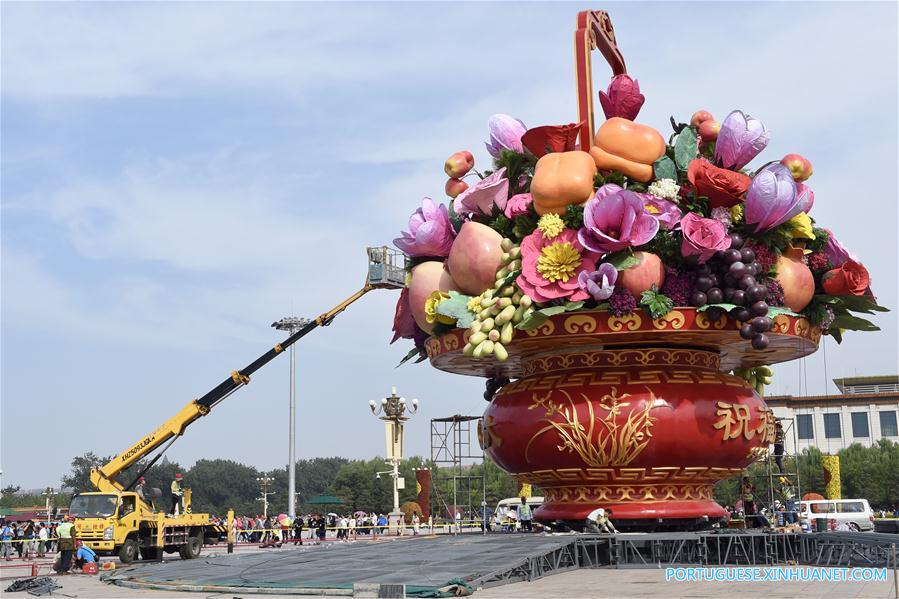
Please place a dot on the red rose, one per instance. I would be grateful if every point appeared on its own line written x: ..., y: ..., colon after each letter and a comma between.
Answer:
x: 721, y: 186
x: 851, y: 278
x: 551, y: 138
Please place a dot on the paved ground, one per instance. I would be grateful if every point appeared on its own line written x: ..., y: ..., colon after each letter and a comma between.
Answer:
x: 582, y: 584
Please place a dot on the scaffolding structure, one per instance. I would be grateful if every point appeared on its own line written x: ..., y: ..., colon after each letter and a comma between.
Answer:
x: 782, y: 485
x: 451, y: 446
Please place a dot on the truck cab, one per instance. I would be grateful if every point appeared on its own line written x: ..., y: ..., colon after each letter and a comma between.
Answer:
x: 101, y: 518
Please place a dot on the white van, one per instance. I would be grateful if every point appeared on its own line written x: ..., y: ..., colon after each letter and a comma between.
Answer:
x: 856, y: 513
x: 505, y: 505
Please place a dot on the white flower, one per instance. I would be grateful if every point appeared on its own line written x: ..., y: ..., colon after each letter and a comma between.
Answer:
x: 665, y: 189
x: 722, y: 215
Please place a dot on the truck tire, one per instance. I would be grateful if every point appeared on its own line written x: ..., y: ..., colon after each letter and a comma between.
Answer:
x: 149, y: 553
x: 128, y: 551
x: 191, y: 549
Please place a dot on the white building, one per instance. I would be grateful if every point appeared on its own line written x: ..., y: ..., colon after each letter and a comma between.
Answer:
x: 865, y: 412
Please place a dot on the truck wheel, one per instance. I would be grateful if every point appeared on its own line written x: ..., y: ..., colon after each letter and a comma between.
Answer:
x: 128, y: 551
x: 149, y: 553
x: 191, y: 549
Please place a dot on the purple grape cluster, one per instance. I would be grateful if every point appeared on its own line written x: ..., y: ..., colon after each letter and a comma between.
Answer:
x: 730, y: 278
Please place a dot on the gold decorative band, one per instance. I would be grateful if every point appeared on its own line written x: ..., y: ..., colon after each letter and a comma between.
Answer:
x: 590, y: 494
x: 614, y: 358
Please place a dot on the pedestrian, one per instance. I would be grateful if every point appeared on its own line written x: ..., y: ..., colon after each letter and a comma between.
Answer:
x: 458, y: 520
x: 353, y: 526
x: 416, y: 522
x: 65, y: 532
x: 28, y: 543
x: 525, y: 515
x: 746, y: 494
x: 177, y: 494
x: 42, y: 536
x: 298, y: 531
x: 598, y: 522
x: 322, y: 529
x: 6, y: 541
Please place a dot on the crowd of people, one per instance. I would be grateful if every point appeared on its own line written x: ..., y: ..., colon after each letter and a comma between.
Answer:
x: 27, y: 540
x: 268, y: 530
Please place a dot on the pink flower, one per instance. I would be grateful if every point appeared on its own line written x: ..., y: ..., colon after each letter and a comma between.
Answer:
x: 615, y: 219
x: 404, y: 326
x: 518, y: 205
x: 703, y: 236
x: 623, y: 98
x: 550, y: 267
x: 430, y: 232
x: 667, y: 213
x: 805, y: 196
x: 740, y: 140
x: 600, y: 283
x: 485, y: 194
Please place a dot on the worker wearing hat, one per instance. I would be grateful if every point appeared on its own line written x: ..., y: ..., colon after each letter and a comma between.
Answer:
x: 139, y: 487
x: 177, y: 494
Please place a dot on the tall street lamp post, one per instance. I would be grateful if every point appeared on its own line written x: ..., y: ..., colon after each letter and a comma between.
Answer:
x: 393, y: 411
x: 264, y: 483
x: 292, y: 324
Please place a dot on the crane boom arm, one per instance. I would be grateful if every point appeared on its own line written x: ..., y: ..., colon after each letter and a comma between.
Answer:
x: 104, y: 477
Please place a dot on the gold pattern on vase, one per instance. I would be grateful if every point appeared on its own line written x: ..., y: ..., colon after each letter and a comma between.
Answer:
x: 703, y: 322
x: 675, y: 319
x: 602, y: 442
x: 601, y: 494
x: 630, y: 322
x: 580, y: 323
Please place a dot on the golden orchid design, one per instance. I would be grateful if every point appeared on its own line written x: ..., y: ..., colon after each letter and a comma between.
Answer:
x: 603, y: 442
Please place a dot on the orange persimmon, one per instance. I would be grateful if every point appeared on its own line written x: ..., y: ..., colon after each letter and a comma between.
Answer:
x: 560, y: 179
x: 628, y: 147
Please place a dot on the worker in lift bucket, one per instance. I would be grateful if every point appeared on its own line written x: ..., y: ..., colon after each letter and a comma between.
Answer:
x: 140, y: 486
x: 598, y: 521
x: 177, y: 494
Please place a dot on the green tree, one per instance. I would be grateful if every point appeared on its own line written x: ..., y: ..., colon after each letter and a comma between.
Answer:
x: 218, y: 485
x: 79, y: 479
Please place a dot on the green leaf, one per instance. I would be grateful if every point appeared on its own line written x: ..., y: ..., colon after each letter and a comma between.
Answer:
x: 853, y: 323
x: 552, y: 310
x: 456, y: 307
x: 622, y: 260
x: 856, y: 303
x: 532, y: 322
x: 778, y: 310
x: 455, y: 219
x: 510, y: 278
x: 664, y: 168
x: 572, y: 306
x: 686, y: 147
x: 656, y: 303
x: 726, y: 307
x: 415, y: 351
x: 836, y: 334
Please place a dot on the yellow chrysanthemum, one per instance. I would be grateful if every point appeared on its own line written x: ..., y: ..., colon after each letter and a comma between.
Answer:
x: 558, y: 262
x: 736, y: 214
x: 474, y: 304
x: 802, y: 227
x: 550, y: 225
x: 431, y: 304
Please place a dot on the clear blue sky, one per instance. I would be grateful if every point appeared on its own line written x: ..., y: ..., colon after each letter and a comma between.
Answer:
x: 175, y: 177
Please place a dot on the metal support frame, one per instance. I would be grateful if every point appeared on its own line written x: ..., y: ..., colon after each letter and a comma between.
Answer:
x: 451, y: 444
x: 771, y: 473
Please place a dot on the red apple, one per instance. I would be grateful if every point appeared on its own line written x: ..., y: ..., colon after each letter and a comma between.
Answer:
x: 475, y: 257
x: 454, y: 187
x: 459, y: 164
x: 799, y: 166
x: 427, y: 278
x: 701, y: 116
x: 648, y: 272
x: 708, y: 130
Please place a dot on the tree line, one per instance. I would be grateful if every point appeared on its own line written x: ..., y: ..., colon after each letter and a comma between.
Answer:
x: 866, y: 472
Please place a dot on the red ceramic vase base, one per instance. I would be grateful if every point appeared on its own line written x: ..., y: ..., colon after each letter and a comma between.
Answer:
x: 646, y: 431
x: 634, y: 511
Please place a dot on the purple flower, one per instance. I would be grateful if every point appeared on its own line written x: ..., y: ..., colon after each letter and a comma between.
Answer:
x: 805, y: 196
x: 836, y: 252
x: 518, y: 205
x: 678, y: 286
x: 771, y: 199
x: 667, y: 213
x: 486, y: 193
x: 600, y: 283
x: 622, y: 302
x: 430, y: 232
x: 505, y: 134
x: 615, y: 219
x: 623, y: 98
x: 740, y: 140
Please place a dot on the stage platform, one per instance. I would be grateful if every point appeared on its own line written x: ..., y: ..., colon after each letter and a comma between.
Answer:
x: 425, y: 564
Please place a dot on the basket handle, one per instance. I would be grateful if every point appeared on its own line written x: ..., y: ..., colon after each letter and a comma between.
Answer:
x: 594, y: 31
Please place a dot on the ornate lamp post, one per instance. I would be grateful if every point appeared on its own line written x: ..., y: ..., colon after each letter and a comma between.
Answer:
x: 49, y: 494
x: 264, y: 482
x: 394, y: 411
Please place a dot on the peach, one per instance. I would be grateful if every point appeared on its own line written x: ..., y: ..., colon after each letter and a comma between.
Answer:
x: 701, y: 116
x: 475, y: 257
x: 427, y: 278
x: 648, y: 272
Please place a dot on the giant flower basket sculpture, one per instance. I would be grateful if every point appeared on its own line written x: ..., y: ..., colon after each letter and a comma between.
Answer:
x: 624, y: 297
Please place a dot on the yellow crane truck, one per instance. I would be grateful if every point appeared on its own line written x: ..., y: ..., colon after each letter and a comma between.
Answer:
x: 115, y: 520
